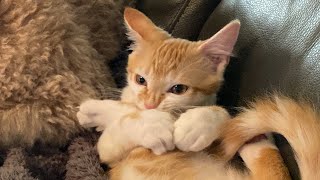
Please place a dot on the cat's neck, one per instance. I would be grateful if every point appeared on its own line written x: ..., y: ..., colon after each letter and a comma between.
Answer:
x: 128, y: 96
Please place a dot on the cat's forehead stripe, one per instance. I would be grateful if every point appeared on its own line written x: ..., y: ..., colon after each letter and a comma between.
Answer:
x: 170, y: 55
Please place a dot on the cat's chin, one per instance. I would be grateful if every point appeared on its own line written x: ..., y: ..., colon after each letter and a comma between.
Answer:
x: 142, y: 107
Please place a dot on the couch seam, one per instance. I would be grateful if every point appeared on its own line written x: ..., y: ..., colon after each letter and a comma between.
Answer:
x: 176, y: 18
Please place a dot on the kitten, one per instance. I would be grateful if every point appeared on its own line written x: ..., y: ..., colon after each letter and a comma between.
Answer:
x: 165, y: 74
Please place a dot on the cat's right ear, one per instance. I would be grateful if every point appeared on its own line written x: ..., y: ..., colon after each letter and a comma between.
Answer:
x: 141, y: 29
x: 219, y: 47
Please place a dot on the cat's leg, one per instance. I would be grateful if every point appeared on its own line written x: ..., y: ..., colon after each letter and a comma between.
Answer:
x: 197, y: 128
x: 127, y: 127
x: 104, y: 115
x: 264, y: 161
x: 113, y: 146
x: 101, y: 113
x: 151, y: 129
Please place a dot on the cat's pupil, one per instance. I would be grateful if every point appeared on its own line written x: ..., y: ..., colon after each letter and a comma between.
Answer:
x: 140, y: 80
x: 179, y: 89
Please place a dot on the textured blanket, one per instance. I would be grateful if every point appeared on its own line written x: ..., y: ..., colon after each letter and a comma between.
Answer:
x: 77, y: 160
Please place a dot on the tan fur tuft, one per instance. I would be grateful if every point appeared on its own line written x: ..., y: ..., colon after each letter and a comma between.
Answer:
x: 299, y: 123
x: 172, y: 166
x: 275, y: 168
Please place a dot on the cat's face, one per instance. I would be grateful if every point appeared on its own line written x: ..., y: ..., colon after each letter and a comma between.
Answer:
x: 168, y: 73
x: 171, y: 74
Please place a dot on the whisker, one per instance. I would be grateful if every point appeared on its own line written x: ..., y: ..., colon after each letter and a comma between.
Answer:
x: 109, y: 93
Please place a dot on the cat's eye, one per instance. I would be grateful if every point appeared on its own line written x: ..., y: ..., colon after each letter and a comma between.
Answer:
x: 178, y: 89
x: 140, y: 80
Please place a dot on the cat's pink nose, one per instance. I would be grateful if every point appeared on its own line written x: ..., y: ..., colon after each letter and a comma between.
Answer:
x: 150, y: 106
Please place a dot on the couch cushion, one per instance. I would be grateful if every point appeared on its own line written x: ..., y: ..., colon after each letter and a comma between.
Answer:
x: 278, y: 49
x: 181, y: 18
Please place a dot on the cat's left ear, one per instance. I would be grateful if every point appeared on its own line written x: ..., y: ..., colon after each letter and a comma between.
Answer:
x: 141, y: 29
x: 219, y: 47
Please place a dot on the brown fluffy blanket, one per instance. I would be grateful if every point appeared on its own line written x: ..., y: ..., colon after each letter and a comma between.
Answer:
x: 52, y: 59
x: 78, y: 159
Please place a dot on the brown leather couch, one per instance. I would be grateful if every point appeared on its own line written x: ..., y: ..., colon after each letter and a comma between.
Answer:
x: 278, y: 47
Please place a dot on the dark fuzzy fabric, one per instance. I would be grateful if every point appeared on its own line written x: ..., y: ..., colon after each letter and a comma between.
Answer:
x: 83, y: 160
x: 118, y: 68
x: 77, y: 161
x: 14, y: 166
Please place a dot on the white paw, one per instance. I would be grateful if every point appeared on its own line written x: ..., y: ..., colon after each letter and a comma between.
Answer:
x: 152, y: 129
x: 197, y: 128
x: 112, y: 146
x: 95, y: 113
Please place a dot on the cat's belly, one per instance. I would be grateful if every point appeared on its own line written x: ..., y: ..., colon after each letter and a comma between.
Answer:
x: 207, y: 168
x: 144, y: 165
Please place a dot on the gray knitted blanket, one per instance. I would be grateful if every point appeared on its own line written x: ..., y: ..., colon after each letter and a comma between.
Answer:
x: 78, y: 160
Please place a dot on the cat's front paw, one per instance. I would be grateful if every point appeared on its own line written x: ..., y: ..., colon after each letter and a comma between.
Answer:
x: 112, y: 146
x: 152, y: 129
x: 197, y: 128
x: 96, y: 113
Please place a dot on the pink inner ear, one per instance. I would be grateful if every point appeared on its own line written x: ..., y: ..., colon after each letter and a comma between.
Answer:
x: 218, y: 59
x: 138, y: 25
x: 222, y: 43
x: 141, y: 28
x: 219, y: 62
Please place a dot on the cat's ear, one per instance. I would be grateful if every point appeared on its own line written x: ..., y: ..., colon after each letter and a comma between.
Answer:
x: 141, y: 28
x: 219, y: 47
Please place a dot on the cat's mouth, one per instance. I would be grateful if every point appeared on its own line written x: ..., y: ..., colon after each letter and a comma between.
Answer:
x: 175, y: 111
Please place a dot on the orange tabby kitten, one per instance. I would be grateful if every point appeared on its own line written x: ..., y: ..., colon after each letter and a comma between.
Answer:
x: 166, y: 74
